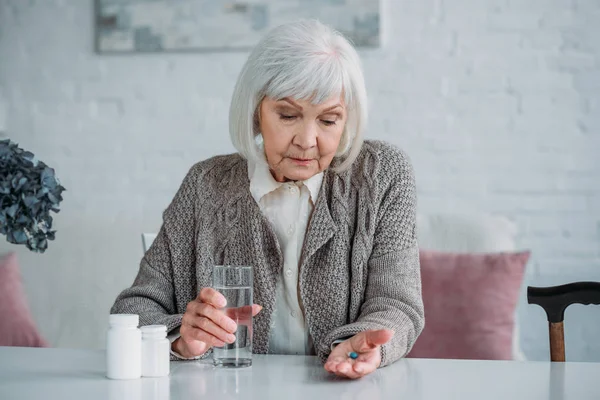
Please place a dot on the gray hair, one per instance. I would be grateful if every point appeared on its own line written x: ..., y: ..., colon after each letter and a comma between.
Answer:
x: 305, y: 60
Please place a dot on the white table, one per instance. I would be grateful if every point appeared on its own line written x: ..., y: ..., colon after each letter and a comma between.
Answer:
x: 27, y: 373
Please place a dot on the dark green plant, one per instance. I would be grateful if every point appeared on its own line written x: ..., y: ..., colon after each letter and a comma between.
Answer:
x: 29, y: 191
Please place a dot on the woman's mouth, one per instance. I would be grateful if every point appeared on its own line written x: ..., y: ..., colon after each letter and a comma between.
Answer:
x: 301, y: 161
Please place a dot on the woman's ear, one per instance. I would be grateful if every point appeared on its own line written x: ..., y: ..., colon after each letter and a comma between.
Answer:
x: 256, y: 118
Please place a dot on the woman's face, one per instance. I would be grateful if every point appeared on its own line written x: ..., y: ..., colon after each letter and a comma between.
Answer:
x: 301, y: 138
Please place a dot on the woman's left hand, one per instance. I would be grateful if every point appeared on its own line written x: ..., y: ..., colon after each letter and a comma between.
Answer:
x: 366, y: 345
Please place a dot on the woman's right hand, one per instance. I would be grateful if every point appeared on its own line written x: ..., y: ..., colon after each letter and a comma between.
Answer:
x: 205, y: 324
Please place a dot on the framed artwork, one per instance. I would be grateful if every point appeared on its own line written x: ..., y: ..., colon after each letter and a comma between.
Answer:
x: 125, y: 26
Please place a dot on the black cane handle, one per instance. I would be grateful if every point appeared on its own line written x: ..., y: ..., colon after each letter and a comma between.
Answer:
x: 555, y: 299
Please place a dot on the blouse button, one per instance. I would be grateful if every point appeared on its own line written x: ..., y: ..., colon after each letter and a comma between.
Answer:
x: 290, y: 230
x: 294, y: 314
x: 288, y: 272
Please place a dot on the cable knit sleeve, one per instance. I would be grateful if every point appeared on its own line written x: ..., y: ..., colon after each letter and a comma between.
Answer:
x: 393, y: 297
x: 152, y: 294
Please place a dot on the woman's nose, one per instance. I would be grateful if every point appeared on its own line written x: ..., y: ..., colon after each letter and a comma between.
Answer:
x: 306, y: 138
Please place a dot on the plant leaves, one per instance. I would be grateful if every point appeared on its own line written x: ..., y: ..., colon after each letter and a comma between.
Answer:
x: 30, y: 201
x: 29, y: 192
x: 42, y: 245
x: 48, y: 179
x: 19, y: 237
x: 23, y: 219
x: 12, y: 210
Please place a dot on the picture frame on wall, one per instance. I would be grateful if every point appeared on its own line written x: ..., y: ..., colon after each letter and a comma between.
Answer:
x: 143, y: 26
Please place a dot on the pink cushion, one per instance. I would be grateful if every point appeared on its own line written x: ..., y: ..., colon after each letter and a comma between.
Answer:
x: 16, y: 323
x: 470, y: 301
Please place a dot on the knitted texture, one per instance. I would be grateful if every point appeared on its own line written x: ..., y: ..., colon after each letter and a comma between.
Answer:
x: 359, y: 268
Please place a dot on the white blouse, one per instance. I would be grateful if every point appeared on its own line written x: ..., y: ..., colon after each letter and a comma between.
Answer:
x: 288, y: 206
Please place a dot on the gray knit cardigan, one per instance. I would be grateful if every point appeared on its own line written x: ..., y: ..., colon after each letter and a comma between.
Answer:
x: 359, y: 268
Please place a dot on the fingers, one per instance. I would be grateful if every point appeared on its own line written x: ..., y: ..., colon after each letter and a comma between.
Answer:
x: 379, y: 337
x: 331, y: 366
x: 206, y: 324
x: 350, y: 370
x: 368, y: 340
x: 191, y: 333
x: 213, y: 329
x: 367, y: 345
x: 216, y: 316
x: 346, y: 369
x: 206, y: 314
x: 243, y: 313
x: 217, y: 327
x: 211, y: 296
x: 203, y: 322
x: 256, y: 309
x: 363, y: 368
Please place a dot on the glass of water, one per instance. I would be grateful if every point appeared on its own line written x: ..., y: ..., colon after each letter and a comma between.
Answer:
x: 235, y: 284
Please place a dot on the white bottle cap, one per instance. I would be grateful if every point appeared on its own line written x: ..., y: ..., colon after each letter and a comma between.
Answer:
x: 124, y: 320
x: 155, y: 331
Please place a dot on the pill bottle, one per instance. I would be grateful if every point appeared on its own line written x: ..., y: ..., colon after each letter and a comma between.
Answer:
x: 123, y: 347
x: 156, y: 353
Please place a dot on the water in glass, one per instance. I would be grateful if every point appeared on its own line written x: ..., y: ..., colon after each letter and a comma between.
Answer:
x: 235, y: 284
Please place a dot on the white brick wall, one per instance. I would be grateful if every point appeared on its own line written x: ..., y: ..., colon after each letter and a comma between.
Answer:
x: 497, y: 103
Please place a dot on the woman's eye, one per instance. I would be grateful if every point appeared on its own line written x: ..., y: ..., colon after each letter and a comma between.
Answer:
x: 287, y: 117
x: 327, y: 122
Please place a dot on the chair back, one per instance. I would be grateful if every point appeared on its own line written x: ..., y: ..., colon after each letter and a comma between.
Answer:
x: 147, y: 239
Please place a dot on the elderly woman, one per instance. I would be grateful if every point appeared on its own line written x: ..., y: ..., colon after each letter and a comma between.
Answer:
x: 326, y: 219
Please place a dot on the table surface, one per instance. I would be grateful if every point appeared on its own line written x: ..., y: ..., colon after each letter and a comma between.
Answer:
x: 29, y: 373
